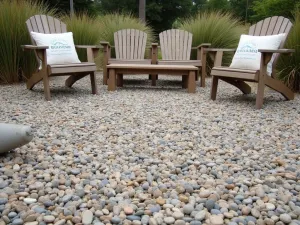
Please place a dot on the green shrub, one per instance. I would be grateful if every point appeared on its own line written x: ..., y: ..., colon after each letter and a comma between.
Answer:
x: 289, y: 66
x: 222, y: 30
x: 14, y: 63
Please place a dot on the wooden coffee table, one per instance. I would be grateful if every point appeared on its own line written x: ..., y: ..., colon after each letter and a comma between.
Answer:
x: 188, y: 74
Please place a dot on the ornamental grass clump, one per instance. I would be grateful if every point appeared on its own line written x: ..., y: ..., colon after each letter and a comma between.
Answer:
x: 14, y: 63
x: 86, y: 31
x: 289, y: 66
x: 222, y: 30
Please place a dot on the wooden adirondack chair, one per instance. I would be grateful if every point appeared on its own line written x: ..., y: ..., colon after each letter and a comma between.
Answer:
x: 176, y: 46
x: 48, y: 25
x: 130, y: 45
x: 237, y: 77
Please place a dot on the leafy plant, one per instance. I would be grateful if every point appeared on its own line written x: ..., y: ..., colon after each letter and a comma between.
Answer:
x: 289, y: 66
x: 14, y: 63
x: 267, y: 8
x: 222, y: 30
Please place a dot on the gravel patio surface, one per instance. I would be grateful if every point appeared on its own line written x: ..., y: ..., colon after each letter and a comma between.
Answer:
x: 150, y: 155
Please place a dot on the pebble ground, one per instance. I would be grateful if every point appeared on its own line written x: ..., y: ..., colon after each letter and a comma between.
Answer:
x: 150, y: 155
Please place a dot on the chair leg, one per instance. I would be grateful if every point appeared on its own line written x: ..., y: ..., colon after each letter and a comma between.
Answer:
x: 112, y: 80
x: 203, y: 75
x: 105, y: 76
x: 214, y: 87
x: 153, y: 79
x: 184, y: 81
x: 34, y: 79
x: 94, y: 83
x: 279, y: 86
x: 150, y: 76
x: 260, y: 92
x: 191, y: 82
x: 197, y: 75
x: 120, y: 80
x: 242, y: 85
x: 73, y: 78
x: 46, y: 87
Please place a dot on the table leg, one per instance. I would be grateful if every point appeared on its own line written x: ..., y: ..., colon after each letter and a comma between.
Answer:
x: 191, y: 82
x: 120, y: 80
x: 153, y: 80
x: 112, y: 80
x: 184, y: 81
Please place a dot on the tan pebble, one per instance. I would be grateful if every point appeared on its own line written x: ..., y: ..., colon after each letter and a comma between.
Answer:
x: 160, y: 201
x: 128, y: 210
x: 230, y: 186
x: 183, y: 198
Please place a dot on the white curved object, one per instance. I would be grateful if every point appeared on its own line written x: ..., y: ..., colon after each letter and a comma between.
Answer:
x: 13, y: 136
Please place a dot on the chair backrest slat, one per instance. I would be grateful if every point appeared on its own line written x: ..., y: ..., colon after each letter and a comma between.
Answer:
x: 278, y: 25
x: 272, y: 26
x: 51, y: 24
x: 175, y: 44
x: 132, y: 41
x: 177, y: 53
x: 128, y: 47
x: 44, y: 20
x: 57, y: 26
x: 265, y: 27
x: 130, y: 44
x: 63, y: 27
x: 181, y: 40
x: 124, y: 47
x: 258, y: 28
x: 39, y: 23
x: 168, y: 44
x: 189, y: 46
x: 284, y: 26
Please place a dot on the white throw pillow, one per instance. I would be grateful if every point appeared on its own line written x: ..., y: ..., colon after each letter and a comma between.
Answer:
x: 61, y: 47
x: 247, y: 55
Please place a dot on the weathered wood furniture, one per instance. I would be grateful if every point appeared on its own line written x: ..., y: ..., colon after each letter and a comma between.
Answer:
x: 75, y: 71
x: 237, y: 77
x: 176, y: 46
x: 188, y: 74
x: 130, y: 46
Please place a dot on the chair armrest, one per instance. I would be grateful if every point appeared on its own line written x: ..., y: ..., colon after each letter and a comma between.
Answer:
x: 103, y: 43
x: 33, y: 47
x: 282, y: 51
x: 154, y: 45
x: 202, y: 45
x: 88, y: 46
x: 220, y: 50
x: 216, y: 54
x: 266, y: 54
